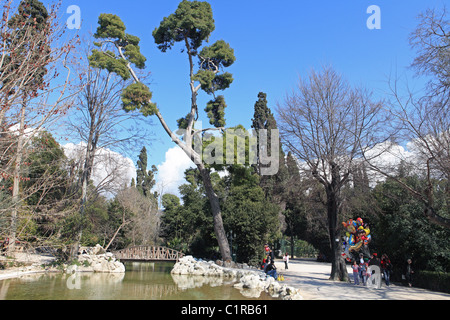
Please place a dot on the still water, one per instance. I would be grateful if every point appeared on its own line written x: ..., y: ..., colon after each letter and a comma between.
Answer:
x: 141, y: 281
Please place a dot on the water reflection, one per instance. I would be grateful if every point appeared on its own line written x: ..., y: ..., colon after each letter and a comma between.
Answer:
x: 189, y: 282
x: 53, y: 286
x: 142, y: 281
x: 185, y: 282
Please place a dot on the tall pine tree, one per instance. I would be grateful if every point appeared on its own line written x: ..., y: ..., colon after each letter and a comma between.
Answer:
x: 263, y: 119
x: 145, y: 180
x: 27, y: 48
x: 190, y: 25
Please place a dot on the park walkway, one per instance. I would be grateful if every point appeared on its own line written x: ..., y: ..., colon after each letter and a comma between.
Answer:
x: 311, y: 277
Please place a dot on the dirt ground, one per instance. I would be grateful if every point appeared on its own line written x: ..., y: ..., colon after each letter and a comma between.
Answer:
x: 311, y: 277
x: 31, y: 264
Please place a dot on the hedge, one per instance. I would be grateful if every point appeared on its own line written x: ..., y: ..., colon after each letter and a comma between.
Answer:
x: 435, y: 281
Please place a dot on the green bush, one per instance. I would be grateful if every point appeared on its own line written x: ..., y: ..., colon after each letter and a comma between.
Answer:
x: 435, y: 281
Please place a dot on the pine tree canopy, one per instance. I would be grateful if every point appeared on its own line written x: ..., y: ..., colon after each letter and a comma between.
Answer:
x: 183, y: 122
x: 192, y: 21
x: 31, y: 12
x: 216, y: 112
x: 216, y: 55
x: 211, y: 82
x: 30, y: 43
x: 111, y: 27
x: 111, y: 30
x: 212, y: 60
x: 109, y: 61
x: 137, y: 96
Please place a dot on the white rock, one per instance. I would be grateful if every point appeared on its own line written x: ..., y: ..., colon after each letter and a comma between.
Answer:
x: 251, y: 282
x: 97, y: 260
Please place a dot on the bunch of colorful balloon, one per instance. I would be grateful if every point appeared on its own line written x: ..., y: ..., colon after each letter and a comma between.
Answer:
x: 357, y: 235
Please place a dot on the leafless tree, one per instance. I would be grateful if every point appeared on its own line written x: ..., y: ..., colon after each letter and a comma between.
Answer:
x: 140, y: 217
x: 323, y: 123
x: 100, y: 123
x: 431, y: 39
x: 422, y: 120
x: 34, y: 81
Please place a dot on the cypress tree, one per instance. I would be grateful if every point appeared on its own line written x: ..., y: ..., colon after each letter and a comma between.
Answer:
x: 145, y: 180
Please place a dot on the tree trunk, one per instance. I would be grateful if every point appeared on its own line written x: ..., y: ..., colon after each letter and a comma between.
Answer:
x: 16, y: 189
x: 190, y: 152
x: 431, y: 215
x: 124, y: 223
x: 292, y: 245
x: 88, y: 166
x: 338, y: 266
x: 85, y: 176
x: 219, y: 229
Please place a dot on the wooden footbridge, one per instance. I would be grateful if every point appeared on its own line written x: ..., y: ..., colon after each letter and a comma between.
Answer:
x: 148, y: 253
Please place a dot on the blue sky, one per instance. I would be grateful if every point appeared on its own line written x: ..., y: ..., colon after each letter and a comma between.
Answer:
x: 275, y: 42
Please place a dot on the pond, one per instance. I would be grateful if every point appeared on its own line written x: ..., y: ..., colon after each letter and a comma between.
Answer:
x: 141, y: 281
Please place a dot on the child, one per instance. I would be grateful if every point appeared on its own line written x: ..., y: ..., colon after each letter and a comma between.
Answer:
x: 286, y: 261
x: 366, y: 271
x: 363, y: 271
x: 355, y: 268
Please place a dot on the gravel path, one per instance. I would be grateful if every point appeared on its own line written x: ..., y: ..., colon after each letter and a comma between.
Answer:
x: 311, y: 278
x: 33, y: 264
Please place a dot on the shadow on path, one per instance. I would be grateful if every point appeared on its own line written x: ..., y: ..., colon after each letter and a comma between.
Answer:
x: 312, y: 278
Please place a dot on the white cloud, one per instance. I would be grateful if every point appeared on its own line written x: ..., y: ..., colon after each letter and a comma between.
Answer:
x: 73, y: 151
x: 385, y: 156
x: 171, y: 171
x: 28, y: 132
x: 111, y: 169
x: 169, y: 177
x: 388, y: 154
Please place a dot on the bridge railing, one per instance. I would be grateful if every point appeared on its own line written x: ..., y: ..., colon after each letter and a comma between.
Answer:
x: 148, y: 253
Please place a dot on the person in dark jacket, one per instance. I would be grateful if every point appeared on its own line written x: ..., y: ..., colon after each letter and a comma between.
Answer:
x: 409, y: 272
x: 271, y: 269
x: 386, y: 268
x: 374, y: 260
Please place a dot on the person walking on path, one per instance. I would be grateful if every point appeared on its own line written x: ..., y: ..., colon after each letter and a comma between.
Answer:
x: 355, y: 268
x: 386, y: 268
x: 362, y: 270
x: 409, y: 272
x: 374, y: 261
x: 365, y: 271
x: 286, y: 261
